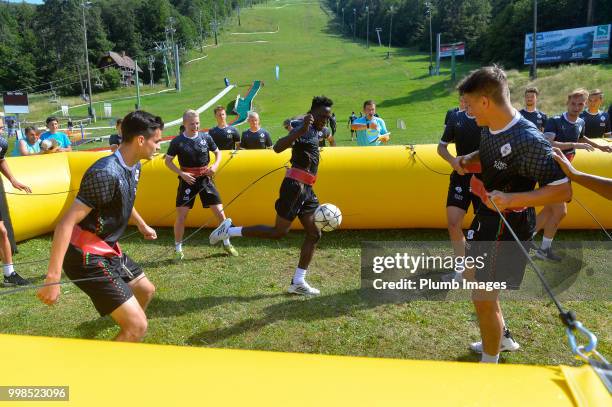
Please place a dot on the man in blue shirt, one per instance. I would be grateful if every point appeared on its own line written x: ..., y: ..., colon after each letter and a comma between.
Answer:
x: 371, y: 130
x: 61, y: 138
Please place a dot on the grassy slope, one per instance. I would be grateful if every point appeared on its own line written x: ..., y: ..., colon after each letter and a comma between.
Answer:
x: 210, y: 300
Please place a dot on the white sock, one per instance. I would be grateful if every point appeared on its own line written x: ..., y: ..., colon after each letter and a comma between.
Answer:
x: 486, y: 358
x: 298, y: 277
x: 546, y: 243
x: 226, y: 242
x: 8, y: 269
x: 235, y: 231
x: 178, y: 246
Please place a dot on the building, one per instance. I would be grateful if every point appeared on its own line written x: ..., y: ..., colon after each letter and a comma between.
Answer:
x: 122, y: 62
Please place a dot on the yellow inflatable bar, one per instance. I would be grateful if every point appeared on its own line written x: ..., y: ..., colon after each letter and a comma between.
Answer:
x: 118, y: 374
x: 388, y: 187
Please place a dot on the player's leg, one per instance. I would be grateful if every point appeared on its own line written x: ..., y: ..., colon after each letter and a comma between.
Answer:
x: 11, y: 278
x: 455, y: 217
x: 490, y: 322
x: 140, y: 285
x: 313, y: 235
x: 179, y: 230
x: 542, y: 219
x: 132, y: 320
x: 558, y: 211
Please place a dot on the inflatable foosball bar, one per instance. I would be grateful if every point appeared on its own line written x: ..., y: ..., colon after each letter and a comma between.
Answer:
x: 390, y: 187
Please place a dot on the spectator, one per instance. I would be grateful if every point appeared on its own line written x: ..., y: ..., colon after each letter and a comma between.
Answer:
x: 371, y: 130
x: 115, y: 139
x: 351, y: 119
x: 596, y: 122
x: 61, y: 138
x: 28, y: 145
x: 225, y: 137
x: 255, y: 137
x: 70, y: 125
x: 1, y: 124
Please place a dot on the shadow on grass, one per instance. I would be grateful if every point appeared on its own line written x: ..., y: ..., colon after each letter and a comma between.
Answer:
x: 294, y: 309
x: 163, y: 308
x: 433, y: 92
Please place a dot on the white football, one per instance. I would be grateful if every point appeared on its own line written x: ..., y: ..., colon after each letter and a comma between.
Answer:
x: 328, y: 217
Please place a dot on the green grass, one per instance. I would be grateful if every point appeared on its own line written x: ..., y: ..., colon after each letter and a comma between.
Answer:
x: 212, y: 300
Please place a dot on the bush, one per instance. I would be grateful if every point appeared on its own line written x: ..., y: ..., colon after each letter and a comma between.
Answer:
x: 111, y: 78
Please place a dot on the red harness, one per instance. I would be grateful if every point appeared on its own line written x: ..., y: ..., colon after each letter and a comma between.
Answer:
x: 195, y: 171
x: 301, y: 176
x: 477, y: 188
x: 91, y: 243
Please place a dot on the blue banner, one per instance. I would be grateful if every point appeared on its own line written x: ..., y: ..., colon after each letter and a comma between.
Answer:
x: 585, y: 43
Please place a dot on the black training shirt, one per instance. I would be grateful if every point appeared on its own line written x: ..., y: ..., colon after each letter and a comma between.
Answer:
x: 225, y: 138
x: 462, y: 130
x: 192, y: 152
x: 536, y: 117
x: 305, y: 150
x: 596, y: 125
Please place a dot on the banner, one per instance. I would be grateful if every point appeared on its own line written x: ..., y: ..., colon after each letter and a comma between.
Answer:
x: 446, y: 50
x: 15, y: 102
x: 585, y: 43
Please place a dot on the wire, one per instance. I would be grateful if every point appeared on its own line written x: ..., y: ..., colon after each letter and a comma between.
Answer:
x: 414, y: 154
x: 41, y: 194
x: 594, y: 218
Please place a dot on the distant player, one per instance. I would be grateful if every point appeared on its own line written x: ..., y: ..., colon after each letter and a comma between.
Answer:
x: 566, y: 132
x: 462, y: 130
x: 115, y: 139
x: 297, y: 198
x: 514, y: 157
x: 195, y: 177
x: 596, y: 122
x: 531, y: 112
x: 85, y: 243
x: 351, y: 119
x: 226, y: 137
x: 255, y: 138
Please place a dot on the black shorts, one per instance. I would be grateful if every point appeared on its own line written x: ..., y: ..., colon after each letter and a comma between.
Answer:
x: 109, y: 293
x: 459, y: 194
x: 295, y: 199
x: 490, y: 238
x: 204, y: 186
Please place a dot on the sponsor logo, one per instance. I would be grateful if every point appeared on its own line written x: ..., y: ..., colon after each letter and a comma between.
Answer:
x: 470, y: 234
x: 505, y: 149
x: 459, y: 197
x: 136, y: 175
x: 500, y: 165
x: 458, y: 189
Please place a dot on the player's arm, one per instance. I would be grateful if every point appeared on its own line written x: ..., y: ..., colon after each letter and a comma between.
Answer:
x: 213, y: 168
x: 61, y: 238
x: 566, y: 145
x: 600, y: 185
x: 284, y: 143
x: 467, y: 161
x: 146, y: 231
x: 332, y: 140
x: 546, y: 195
x: 22, y: 148
x: 585, y: 140
x: 67, y: 143
x: 168, y: 160
x: 5, y: 170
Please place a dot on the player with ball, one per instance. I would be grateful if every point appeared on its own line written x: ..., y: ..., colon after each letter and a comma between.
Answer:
x: 296, y: 196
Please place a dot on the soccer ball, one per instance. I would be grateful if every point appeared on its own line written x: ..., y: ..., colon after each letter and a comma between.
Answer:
x: 328, y: 217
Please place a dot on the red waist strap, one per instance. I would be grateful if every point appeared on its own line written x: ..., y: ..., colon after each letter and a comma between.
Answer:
x: 91, y: 243
x: 477, y: 188
x: 195, y: 171
x: 301, y: 176
x: 473, y: 168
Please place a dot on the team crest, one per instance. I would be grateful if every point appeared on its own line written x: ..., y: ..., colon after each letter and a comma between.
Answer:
x: 505, y: 149
x: 458, y: 189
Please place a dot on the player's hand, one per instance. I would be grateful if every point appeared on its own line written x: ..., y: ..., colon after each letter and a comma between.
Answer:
x: 584, y: 146
x: 21, y: 187
x: 384, y: 138
x: 457, y: 164
x: 147, y: 232
x: 49, y: 294
x: 502, y: 200
x: 210, y: 171
x: 188, y: 178
x: 308, y: 121
x: 564, y: 163
x: 605, y: 149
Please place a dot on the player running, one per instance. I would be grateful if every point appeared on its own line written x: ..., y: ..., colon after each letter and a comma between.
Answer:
x: 195, y: 177
x: 297, y: 198
x: 85, y: 239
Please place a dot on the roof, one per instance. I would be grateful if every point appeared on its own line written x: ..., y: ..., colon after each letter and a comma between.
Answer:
x: 123, y: 61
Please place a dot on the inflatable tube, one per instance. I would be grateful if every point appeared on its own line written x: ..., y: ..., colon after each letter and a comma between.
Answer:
x: 188, y: 376
x: 376, y: 188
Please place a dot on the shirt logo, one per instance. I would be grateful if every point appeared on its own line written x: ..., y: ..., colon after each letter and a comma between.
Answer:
x: 602, y: 118
x: 539, y: 116
x: 500, y: 165
x: 505, y: 149
x: 579, y: 128
x: 137, y: 175
x: 470, y: 234
x: 458, y: 189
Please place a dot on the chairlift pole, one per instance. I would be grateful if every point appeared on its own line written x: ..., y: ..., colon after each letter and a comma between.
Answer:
x: 92, y: 113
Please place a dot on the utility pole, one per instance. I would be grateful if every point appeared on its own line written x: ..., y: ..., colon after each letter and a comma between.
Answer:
x: 428, y: 5
x: 343, y: 20
x: 151, y: 69
x: 162, y: 49
x: 590, y: 13
x: 534, y: 56
x: 367, y: 27
x: 92, y: 114
x: 201, y: 39
x: 137, y: 86
x: 177, y: 73
x: 390, y: 32
x: 354, y: 23
x: 215, y: 25
x: 238, y: 13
